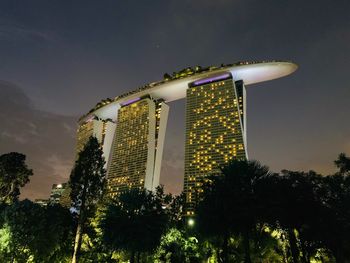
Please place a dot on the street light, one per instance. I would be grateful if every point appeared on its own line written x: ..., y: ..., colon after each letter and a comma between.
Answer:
x: 190, y: 222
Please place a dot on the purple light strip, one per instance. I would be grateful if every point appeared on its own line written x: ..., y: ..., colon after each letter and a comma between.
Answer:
x: 212, y: 79
x: 130, y: 101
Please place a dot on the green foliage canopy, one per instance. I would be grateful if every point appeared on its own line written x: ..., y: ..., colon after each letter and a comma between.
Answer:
x: 88, y: 177
x: 30, y: 232
x: 138, y: 219
x: 14, y: 174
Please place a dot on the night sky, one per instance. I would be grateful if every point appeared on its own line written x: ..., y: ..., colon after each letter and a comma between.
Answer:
x: 59, y: 58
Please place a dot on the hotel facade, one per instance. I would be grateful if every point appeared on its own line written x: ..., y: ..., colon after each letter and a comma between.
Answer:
x: 131, y: 128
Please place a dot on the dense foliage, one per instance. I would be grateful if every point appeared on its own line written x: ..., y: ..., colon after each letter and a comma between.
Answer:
x: 87, y: 183
x: 31, y: 233
x: 138, y: 219
x: 246, y: 214
x: 14, y: 174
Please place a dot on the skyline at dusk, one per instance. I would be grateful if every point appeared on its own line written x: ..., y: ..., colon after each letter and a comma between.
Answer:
x: 60, y: 58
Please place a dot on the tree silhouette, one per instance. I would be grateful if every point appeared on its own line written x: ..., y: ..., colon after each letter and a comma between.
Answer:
x: 14, y: 174
x: 343, y: 163
x: 176, y: 211
x: 230, y: 204
x: 138, y: 220
x: 294, y: 206
x: 87, y: 183
x: 333, y: 227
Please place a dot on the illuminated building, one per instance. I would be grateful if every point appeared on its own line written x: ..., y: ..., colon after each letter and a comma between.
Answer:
x: 214, y: 130
x: 102, y: 129
x: 42, y: 202
x: 65, y: 200
x: 131, y: 127
x: 85, y: 130
x: 56, y: 192
x: 138, y: 145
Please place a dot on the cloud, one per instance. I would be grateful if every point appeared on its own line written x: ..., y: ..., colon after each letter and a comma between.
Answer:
x: 46, y: 139
x: 13, y: 32
x: 172, y: 172
x: 10, y: 136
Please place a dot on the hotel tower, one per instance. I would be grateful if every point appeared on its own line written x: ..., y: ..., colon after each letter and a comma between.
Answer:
x: 215, y: 132
x: 137, y: 149
x: 131, y: 127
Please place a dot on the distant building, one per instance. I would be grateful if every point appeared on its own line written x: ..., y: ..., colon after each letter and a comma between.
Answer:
x: 56, y: 192
x: 42, y: 202
x: 59, y: 195
x: 65, y: 200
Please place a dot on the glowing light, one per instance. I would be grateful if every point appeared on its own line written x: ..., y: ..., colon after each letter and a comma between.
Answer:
x: 130, y: 101
x: 212, y: 79
x: 190, y: 222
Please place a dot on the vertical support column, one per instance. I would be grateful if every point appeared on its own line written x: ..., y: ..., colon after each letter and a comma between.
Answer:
x: 163, y: 120
x: 108, y: 140
x: 151, y: 144
x: 241, y: 96
x: 245, y: 120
